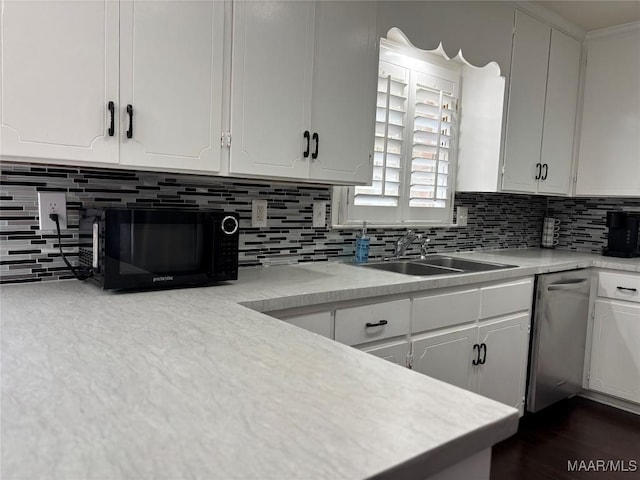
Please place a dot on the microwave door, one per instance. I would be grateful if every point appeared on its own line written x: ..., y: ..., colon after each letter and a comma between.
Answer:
x: 168, y: 248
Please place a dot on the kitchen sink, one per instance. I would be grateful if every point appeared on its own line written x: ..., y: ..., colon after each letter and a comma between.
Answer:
x: 437, y: 265
x: 412, y: 268
x: 462, y: 264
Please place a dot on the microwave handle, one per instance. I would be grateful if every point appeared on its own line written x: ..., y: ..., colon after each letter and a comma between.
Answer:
x: 214, y: 224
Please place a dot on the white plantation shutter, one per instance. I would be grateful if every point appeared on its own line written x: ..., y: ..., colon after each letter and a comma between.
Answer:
x: 434, y: 127
x: 414, y: 151
x: 391, y: 124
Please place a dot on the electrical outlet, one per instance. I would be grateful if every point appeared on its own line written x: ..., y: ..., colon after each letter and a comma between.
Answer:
x: 319, y: 214
x: 52, y: 202
x: 259, y: 213
x: 462, y: 216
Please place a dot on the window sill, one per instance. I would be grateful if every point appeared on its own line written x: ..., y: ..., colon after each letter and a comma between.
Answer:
x: 394, y: 226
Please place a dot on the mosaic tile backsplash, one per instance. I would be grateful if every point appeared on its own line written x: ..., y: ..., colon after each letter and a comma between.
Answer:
x: 582, y: 220
x: 495, y: 220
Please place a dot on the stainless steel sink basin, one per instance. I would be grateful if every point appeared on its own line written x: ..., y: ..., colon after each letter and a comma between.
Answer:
x: 412, y: 268
x: 462, y: 264
x: 437, y: 265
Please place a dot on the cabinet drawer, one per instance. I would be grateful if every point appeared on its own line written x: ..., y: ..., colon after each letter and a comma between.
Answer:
x: 506, y: 298
x: 438, y: 311
x: 319, y: 323
x: 385, y: 320
x: 619, y: 286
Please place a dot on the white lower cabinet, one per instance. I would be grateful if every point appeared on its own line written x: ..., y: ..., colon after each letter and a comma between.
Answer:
x: 478, y: 340
x: 447, y: 356
x: 473, y: 337
x: 503, y: 374
x: 490, y: 359
x: 615, y: 351
x: 395, y: 352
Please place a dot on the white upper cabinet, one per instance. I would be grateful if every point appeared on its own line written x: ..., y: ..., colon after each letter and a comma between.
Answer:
x: 527, y: 87
x: 59, y: 73
x: 560, y: 114
x: 541, y: 109
x: 272, y: 65
x: 609, y: 155
x: 344, y: 91
x: 171, y: 82
x: 303, y: 91
x: 64, y: 62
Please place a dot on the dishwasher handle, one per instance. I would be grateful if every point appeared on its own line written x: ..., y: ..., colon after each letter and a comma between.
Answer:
x: 569, y: 285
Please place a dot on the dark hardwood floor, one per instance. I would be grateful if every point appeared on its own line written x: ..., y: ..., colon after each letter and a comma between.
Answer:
x: 575, y: 429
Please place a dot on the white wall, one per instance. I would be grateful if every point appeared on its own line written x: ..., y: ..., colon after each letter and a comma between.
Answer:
x: 483, y: 30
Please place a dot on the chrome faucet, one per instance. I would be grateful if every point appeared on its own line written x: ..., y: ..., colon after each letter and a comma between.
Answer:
x: 405, y: 241
x: 423, y: 248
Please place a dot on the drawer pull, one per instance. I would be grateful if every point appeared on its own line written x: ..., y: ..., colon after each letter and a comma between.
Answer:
x: 627, y: 289
x: 379, y: 324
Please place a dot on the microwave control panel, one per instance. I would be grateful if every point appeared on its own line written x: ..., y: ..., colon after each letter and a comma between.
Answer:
x: 229, y: 243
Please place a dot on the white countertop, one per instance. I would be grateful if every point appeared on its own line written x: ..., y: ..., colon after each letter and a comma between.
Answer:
x: 277, y: 288
x: 190, y: 384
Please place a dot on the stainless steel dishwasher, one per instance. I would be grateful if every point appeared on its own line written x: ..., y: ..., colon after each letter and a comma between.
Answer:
x: 559, y: 333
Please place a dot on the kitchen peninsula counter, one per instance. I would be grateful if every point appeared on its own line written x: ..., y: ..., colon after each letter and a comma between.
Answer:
x: 195, y: 383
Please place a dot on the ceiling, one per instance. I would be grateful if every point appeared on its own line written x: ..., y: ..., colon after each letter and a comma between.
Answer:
x: 595, y: 14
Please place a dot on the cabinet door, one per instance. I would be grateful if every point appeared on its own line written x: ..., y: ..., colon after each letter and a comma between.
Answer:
x: 503, y: 375
x: 609, y: 145
x: 171, y: 57
x: 272, y: 65
x: 393, y: 352
x: 59, y: 72
x: 615, y: 351
x: 560, y: 114
x: 344, y: 91
x: 527, y: 87
x: 447, y: 356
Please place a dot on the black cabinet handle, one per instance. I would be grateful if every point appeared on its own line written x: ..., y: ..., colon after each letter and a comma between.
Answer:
x: 476, y: 350
x: 316, y: 137
x: 483, y: 347
x: 112, y: 111
x: 627, y: 289
x: 379, y: 324
x: 307, y: 136
x: 539, y: 167
x: 546, y: 170
x: 130, y: 113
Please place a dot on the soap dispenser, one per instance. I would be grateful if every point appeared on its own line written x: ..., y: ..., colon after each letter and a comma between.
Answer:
x: 362, y: 245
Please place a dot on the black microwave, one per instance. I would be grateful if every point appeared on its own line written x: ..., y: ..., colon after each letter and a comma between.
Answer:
x: 126, y: 248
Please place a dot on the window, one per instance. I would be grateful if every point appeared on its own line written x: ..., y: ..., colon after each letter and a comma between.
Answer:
x: 415, y: 141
